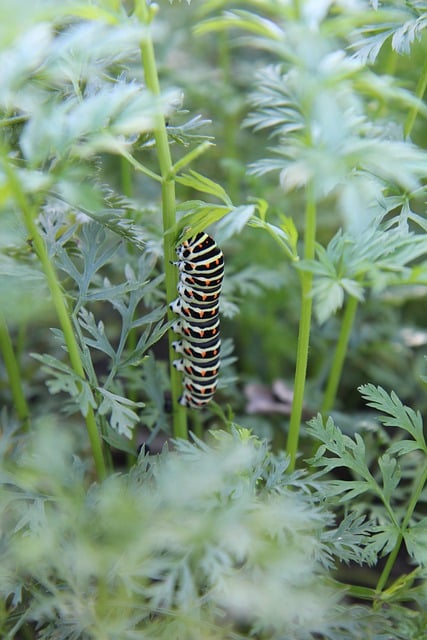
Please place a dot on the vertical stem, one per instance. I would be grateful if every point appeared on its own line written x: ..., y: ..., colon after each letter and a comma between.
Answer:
x: 169, y: 211
x: 391, y: 63
x: 418, y: 489
x: 412, y: 115
x: 127, y: 189
x: 297, y: 8
x: 339, y: 355
x: 126, y: 177
x: 385, y: 573
x: 230, y: 120
x: 59, y: 304
x: 13, y: 373
x: 304, y: 329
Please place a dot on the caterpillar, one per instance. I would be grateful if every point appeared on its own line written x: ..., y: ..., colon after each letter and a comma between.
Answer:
x: 201, y: 270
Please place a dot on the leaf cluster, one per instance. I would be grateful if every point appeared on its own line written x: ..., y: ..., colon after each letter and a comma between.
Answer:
x: 86, y: 254
x: 317, y: 114
x: 400, y: 24
x: 377, y: 258
x: 155, y: 552
x: 331, y: 119
x: 391, y: 485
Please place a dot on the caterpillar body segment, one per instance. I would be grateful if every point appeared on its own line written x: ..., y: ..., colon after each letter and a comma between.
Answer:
x: 200, y: 248
x: 206, y: 351
x: 201, y: 389
x: 186, y: 310
x: 189, y: 400
x: 198, y: 332
x: 198, y: 371
x: 193, y: 296
x: 209, y: 271
x: 203, y: 284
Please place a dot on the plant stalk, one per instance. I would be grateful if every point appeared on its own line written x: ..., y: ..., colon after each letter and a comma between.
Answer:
x: 126, y: 177
x: 231, y: 124
x: 297, y: 8
x: 304, y: 330
x: 169, y: 211
x: 418, y: 489
x: 60, y: 305
x: 14, y: 374
x: 419, y: 92
x: 339, y: 355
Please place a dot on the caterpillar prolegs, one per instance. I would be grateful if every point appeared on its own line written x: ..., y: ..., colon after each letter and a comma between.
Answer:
x: 201, y: 271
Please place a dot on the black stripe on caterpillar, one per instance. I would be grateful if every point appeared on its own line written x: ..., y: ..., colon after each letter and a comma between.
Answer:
x: 195, y: 332
x: 210, y: 349
x: 197, y: 313
x: 207, y: 370
x: 201, y: 285
x: 195, y: 296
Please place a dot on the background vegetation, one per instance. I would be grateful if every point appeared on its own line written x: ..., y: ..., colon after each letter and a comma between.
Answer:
x: 294, y: 506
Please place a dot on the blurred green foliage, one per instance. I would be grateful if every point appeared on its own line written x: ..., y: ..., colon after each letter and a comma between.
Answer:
x: 264, y: 101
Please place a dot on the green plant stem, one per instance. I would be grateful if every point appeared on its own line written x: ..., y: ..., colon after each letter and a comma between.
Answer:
x: 391, y: 63
x: 60, y: 307
x: 127, y: 189
x: 140, y: 167
x: 230, y: 118
x: 14, y: 374
x: 418, y: 489
x: 420, y: 90
x: 339, y: 355
x: 8, y: 122
x: 304, y: 330
x: 169, y: 213
x: 297, y: 8
x: 192, y: 155
x: 126, y: 177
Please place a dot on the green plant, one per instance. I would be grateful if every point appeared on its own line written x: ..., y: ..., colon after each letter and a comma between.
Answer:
x: 77, y: 111
x: 153, y: 552
x: 315, y: 101
x: 217, y: 536
x: 392, y: 487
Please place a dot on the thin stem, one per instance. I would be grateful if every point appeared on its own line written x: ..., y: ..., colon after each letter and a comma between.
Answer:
x: 13, y: 373
x: 190, y: 156
x: 339, y: 355
x: 418, y: 489
x: 140, y: 167
x: 127, y: 189
x: 126, y: 177
x: 304, y: 330
x: 297, y: 8
x: 230, y: 117
x: 142, y: 11
x: 412, y: 115
x: 60, y: 305
x: 8, y: 122
x: 285, y: 246
x: 389, y: 565
x: 391, y: 63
